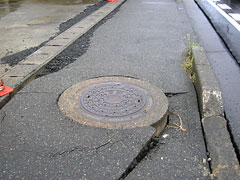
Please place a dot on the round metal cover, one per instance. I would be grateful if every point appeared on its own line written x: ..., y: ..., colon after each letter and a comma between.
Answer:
x: 114, y: 102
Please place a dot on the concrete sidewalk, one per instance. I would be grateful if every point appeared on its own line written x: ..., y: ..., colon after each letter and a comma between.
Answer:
x: 143, y: 40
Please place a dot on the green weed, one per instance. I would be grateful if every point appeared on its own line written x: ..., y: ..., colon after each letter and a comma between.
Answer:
x: 188, y: 63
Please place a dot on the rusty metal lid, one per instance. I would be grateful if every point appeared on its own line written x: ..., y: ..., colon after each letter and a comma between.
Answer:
x: 114, y: 102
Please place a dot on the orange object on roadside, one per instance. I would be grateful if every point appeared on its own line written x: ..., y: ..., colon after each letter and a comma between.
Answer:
x: 4, y: 90
x: 112, y: 0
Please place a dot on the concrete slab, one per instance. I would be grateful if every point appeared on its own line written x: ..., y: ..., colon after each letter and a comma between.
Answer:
x: 58, y: 41
x: 21, y: 71
x: 228, y: 74
x: 37, y: 58
x: 224, y: 162
x: 43, y: 55
x: 68, y: 35
x: 78, y: 29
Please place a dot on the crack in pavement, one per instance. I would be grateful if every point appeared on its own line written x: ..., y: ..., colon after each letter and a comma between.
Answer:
x: 79, y: 148
x: 3, y: 118
x: 150, y: 144
x: 170, y: 94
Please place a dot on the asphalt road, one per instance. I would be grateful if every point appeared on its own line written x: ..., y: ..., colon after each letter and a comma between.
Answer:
x: 225, y: 17
x: 39, y: 142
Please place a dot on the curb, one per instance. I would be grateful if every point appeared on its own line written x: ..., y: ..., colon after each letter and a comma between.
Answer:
x: 223, y: 160
x: 26, y: 70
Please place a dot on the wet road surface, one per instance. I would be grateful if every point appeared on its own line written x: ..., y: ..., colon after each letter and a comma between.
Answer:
x: 233, y: 4
x: 28, y: 23
x: 225, y: 17
x: 8, y: 6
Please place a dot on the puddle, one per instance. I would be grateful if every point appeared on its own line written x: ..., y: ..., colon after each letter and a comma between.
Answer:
x: 8, y: 6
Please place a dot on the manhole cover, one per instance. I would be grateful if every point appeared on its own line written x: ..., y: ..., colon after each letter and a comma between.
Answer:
x: 114, y: 102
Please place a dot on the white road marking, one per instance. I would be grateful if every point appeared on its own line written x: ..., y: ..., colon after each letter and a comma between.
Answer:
x: 231, y: 20
x: 235, y: 16
x: 224, y: 6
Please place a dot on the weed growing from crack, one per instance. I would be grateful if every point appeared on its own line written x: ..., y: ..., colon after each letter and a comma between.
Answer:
x: 175, y: 125
x: 188, y: 64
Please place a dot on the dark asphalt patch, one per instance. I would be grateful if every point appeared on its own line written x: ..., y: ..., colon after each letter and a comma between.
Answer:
x: 17, y: 57
x: 90, y: 9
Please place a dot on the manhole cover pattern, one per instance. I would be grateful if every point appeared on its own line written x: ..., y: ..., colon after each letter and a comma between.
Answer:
x: 114, y: 102
x: 113, y: 99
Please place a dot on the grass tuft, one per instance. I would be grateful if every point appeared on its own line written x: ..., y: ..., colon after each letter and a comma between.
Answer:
x: 188, y: 63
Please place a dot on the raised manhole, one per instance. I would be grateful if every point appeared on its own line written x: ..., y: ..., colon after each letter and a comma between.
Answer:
x: 114, y: 102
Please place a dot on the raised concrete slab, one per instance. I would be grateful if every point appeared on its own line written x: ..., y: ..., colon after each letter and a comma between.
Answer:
x: 177, y: 156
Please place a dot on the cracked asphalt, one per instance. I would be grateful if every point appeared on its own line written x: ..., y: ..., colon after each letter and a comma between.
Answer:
x: 143, y: 40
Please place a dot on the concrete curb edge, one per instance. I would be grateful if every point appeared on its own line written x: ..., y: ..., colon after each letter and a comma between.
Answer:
x: 223, y: 160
